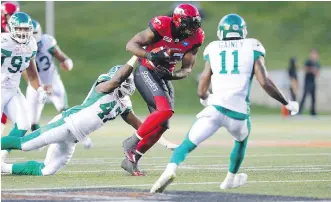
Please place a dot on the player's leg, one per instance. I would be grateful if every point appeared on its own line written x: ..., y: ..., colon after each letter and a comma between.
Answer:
x: 35, y: 108
x: 240, y: 130
x: 59, y: 96
x: 54, y: 132
x: 58, y: 155
x: 17, y: 110
x: 305, y: 92
x: 4, y: 120
x: 313, y: 98
x: 207, y: 123
x: 154, y: 93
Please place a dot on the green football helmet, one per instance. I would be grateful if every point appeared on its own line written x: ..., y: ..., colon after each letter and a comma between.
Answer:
x: 37, y: 31
x: 232, y: 26
x: 127, y: 87
x: 20, y: 27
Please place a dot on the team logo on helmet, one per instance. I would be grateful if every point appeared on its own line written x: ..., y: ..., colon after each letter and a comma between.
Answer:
x: 235, y: 27
x: 179, y: 11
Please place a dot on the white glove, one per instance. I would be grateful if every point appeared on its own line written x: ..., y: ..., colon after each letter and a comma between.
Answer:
x: 205, y: 102
x: 42, y: 95
x: 68, y: 64
x: 293, y: 107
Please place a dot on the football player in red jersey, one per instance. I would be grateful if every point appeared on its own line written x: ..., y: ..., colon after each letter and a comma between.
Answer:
x: 7, y: 10
x: 167, y: 41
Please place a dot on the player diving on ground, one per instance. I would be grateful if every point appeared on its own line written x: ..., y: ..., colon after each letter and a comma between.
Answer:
x: 230, y: 64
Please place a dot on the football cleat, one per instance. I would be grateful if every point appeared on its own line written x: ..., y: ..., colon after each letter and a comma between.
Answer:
x: 235, y: 181
x: 131, y: 168
x: 165, y: 179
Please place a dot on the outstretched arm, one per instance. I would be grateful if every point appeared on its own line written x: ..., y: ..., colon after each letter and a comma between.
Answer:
x: 187, y: 65
x: 266, y: 83
x: 65, y: 61
x: 131, y: 119
x: 119, y: 77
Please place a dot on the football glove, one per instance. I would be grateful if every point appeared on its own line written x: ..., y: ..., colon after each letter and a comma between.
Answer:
x: 162, y: 72
x: 293, y: 107
x: 42, y: 95
x: 206, y: 101
x: 158, y: 56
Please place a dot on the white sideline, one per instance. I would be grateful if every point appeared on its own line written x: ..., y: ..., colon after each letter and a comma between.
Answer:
x: 148, y: 185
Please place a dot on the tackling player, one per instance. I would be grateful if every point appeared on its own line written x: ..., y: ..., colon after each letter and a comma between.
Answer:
x: 230, y: 64
x: 107, y: 99
x: 7, y: 10
x: 18, y: 50
x: 168, y: 40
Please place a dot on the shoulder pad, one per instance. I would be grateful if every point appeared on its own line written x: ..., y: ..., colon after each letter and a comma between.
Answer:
x: 207, y: 50
x: 161, y: 24
x: 48, y: 41
x: 103, y: 77
x: 257, y: 46
x: 200, y: 36
x: 33, y: 45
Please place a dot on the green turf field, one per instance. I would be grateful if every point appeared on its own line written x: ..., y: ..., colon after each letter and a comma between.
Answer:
x: 290, y: 157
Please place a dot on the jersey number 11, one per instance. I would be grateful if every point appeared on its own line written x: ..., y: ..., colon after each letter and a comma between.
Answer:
x: 235, y: 69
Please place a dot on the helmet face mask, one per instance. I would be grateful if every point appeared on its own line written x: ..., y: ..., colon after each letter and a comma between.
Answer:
x: 232, y: 26
x: 20, y: 27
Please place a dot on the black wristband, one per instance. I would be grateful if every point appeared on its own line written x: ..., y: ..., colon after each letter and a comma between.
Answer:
x: 148, y: 56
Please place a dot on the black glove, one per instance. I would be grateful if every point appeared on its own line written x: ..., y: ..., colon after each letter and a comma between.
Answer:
x: 158, y: 56
x: 162, y: 72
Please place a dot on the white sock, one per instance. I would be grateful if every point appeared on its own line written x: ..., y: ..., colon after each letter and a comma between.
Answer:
x: 140, y: 138
x: 172, y: 167
x: 6, y: 168
x: 230, y: 175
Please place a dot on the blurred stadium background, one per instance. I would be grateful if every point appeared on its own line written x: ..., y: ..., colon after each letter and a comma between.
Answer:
x: 285, y: 156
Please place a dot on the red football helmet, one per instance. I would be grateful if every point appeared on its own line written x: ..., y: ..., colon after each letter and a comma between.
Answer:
x: 9, y: 8
x: 186, y: 18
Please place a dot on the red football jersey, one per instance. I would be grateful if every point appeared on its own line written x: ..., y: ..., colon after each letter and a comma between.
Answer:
x: 163, y: 30
x: 4, y: 27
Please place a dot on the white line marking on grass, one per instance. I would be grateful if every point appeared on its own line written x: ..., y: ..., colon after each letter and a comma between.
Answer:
x: 94, y: 160
x: 173, y: 184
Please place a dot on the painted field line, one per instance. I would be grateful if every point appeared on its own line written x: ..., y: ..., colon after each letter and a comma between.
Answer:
x: 198, y: 156
x: 147, y: 185
x: 308, y: 169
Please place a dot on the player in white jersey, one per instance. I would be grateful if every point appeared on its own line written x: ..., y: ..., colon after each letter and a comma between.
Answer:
x: 106, y: 100
x: 48, y: 49
x: 231, y: 63
x: 18, y: 50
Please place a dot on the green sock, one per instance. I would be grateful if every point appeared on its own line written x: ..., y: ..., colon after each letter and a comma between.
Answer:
x: 237, y: 155
x: 16, y: 133
x: 182, y: 150
x: 28, y: 168
x: 11, y: 142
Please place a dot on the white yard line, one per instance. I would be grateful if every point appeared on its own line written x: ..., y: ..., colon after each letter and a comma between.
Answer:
x: 198, y: 156
x: 148, y: 185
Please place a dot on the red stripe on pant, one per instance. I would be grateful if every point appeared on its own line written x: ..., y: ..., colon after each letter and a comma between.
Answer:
x: 149, y: 140
x: 4, y: 118
x: 163, y: 113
